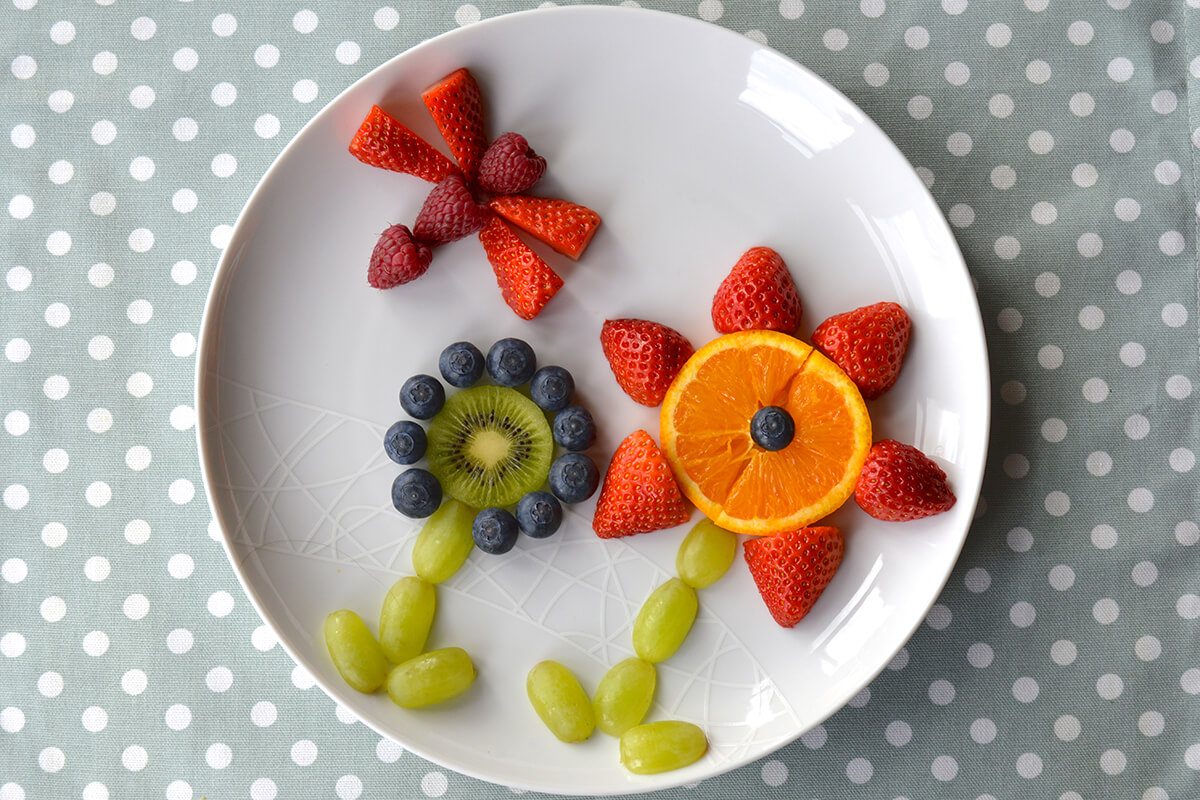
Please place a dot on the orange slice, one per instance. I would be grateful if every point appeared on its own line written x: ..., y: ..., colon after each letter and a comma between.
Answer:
x: 705, y: 432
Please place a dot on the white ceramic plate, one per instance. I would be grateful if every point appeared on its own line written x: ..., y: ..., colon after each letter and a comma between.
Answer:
x: 694, y: 144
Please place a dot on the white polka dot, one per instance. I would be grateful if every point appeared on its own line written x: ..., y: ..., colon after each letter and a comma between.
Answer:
x: 220, y: 235
x: 266, y: 56
x: 1043, y: 213
x: 920, y: 107
x: 1037, y: 71
x: 1191, y: 756
x: 1001, y: 106
x: 1037, y: 5
x: 23, y: 136
x: 1188, y: 606
x: 1007, y: 247
x: 1137, y: 427
x: 1082, y: 104
x: 773, y: 772
x: 1181, y: 459
x: 53, y: 609
x: 180, y: 565
x: 141, y: 168
x: 134, y: 758
x: 1104, y: 537
x: 1174, y: 315
x: 1105, y: 611
x: 1041, y: 142
x: 12, y: 645
x: 182, y: 418
x: 95, y: 643
x: 980, y: 655
x: 224, y: 165
x: 916, y: 37
x: 104, y: 132
x: 185, y: 129
x: 1147, y: 648
x: 95, y: 719
x: 60, y: 101
x: 184, y: 201
x: 835, y: 39
x: 19, y: 278
x: 304, y: 752
x: 102, y: 203
x: 1132, y: 354
x: 1179, y: 387
x: 387, y: 18
x: 1050, y: 356
x: 389, y: 752
x: 1164, y: 101
x: 1025, y: 690
x: 939, y: 617
x: 859, y: 771
x: 1099, y: 463
x: 12, y: 719
x: 224, y: 94
x: 219, y: 679
x: 1063, y: 652
x: 305, y: 21
x: 220, y: 604
x: 1171, y: 243
x: 266, y: 126
x: 1022, y: 614
x: 1084, y: 175
x: 179, y: 790
x: 1127, y: 210
x: 1162, y: 31
x: 141, y: 97
x: 1095, y: 390
x: 983, y: 730
x: 926, y: 175
x: 139, y: 384
x: 20, y: 207
x: 263, y: 713
x: 23, y: 67
x: 181, y: 491
x: 347, y: 53
x: 1062, y: 577
x: 183, y: 272
x: 179, y: 641
x: 1016, y: 465
x: 224, y: 25
x: 141, y: 240
x: 944, y: 768
x: 1122, y: 140
x: 1080, y: 33
x: 304, y: 91
x: 263, y: 789
x: 263, y: 638
x: 16, y: 423
x: 957, y: 73
x: 58, y: 243
x: 143, y: 28
x: 876, y: 74
x: 1110, y: 686
x: 959, y: 144
x: 185, y: 59
x: 998, y: 34
x: 941, y: 692
x: 52, y: 759
x: 138, y: 457
x: 98, y: 494
x: 1089, y: 245
x: 17, y: 350
x: 1066, y: 728
x: 1112, y: 762
x: 466, y: 14
x: 1151, y: 723
x: 815, y: 738
x: 136, y: 606
x: 1012, y: 392
x: 16, y: 496
x: 348, y: 787
x: 977, y: 580
x: 1120, y: 69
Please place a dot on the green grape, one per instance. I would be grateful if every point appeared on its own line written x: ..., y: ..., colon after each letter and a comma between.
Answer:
x: 664, y: 621
x: 406, y: 617
x: 705, y: 554
x: 358, y: 657
x: 624, y: 695
x: 661, y: 746
x: 430, y: 678
x: 560, y: 701
x: 444, y: 542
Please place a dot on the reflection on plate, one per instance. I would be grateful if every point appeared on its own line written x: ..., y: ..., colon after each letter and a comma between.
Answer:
x: 694, y: 145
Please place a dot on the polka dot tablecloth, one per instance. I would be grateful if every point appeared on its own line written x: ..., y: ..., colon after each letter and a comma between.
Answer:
x: 1062, y: 660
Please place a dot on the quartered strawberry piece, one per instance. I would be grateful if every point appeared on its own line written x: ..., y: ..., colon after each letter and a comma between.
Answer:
x: 758, y: 294
x: 645, y: 356
x: 639, y: 494
x: 526, y: 281
x: 567, y: 227
x: 792, y: 569
x: 385, y: 142
x: 457, y: 107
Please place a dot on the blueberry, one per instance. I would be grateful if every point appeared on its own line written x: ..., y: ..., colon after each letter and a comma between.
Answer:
x: 552, y: 388
x: 405, y: 442
x: 422, y: 396
x: 574, y: 428
x: 573, y: 477
x: 461, y: 364
x: 772, y: 428
x: 511, y: 362
x: 539, y: 514
x: 494, y: 531
x: 416, y: 493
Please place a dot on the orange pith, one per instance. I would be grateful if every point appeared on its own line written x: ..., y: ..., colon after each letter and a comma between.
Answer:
x: 705, y: 432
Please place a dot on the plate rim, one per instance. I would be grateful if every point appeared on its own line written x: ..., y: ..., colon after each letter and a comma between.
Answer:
x: 209, y: 339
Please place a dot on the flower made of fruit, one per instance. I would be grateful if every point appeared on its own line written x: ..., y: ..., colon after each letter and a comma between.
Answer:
x: 482, y: 193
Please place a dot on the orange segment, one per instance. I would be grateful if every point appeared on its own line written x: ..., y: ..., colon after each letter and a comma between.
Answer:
x: 705, y: 432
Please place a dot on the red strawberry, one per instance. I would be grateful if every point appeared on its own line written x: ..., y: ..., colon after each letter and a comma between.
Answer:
x: 385, y: 142
x: 898, y: 483
x: 526, y: 282
x: 397, y: 259
x: 509, y: 165
x: 457, y: 107
x: 639, y: 493
x: 449, y: 213
x: 645, y: 357
x: 868, y: 343
x: 792, y: 569
x: 758, y: 294
x: 566, y: 227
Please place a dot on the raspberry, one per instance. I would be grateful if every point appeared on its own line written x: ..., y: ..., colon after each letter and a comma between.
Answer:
x: 509, y: 165
x: 397, y: 259
x: 449, y: 213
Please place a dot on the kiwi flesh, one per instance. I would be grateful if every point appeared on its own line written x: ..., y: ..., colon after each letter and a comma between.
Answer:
x: 490, y: 446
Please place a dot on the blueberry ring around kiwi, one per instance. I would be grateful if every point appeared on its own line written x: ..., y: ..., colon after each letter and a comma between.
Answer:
x: 490, y: 446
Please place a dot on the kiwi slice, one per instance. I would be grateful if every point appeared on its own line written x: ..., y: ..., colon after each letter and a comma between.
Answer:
x: 489, y: 446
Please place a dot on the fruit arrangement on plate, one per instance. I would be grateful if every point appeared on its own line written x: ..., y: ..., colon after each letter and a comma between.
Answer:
x: 764, y: 433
